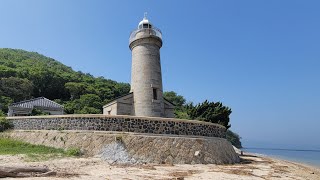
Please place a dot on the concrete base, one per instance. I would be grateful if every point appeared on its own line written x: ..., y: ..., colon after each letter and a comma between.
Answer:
x: 135, y: 148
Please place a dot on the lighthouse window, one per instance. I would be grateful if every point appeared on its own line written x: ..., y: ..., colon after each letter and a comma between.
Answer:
x: 155, y: 96
x: 145, y: 26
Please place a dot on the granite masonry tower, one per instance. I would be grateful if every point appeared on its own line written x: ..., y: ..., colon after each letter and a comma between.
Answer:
x: 146, y: 94
x: 146, y: 78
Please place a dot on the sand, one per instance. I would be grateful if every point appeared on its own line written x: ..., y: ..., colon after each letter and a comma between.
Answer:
x: 252, y: 167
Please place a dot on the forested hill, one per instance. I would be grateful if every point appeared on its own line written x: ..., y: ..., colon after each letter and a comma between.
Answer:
x: 24, y: 75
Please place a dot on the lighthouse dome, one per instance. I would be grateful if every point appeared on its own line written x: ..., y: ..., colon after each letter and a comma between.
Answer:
x: 145, y: 23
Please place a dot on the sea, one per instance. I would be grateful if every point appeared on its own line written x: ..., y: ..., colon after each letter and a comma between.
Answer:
x: 305, y: 156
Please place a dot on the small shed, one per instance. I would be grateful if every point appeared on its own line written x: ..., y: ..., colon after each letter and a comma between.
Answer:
x: 25, y: 108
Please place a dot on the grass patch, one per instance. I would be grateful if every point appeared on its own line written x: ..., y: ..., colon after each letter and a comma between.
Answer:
x: 10, y: 146
x: 73, y: 152
x: 34, y: 152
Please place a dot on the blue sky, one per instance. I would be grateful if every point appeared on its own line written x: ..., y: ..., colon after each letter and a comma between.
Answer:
x: 261, y: 58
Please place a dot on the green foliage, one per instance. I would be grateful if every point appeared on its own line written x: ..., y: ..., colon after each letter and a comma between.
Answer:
x: 34, y: 152
x: 176, y: 99
x: 210, y: 112
x: 73, y: 152
x: 86, y: 104
x: 4, y: 123
x: 17, y: 89
x: 9, y: 146
x: 38, y: 112
x: 234, y: 138
x: 179, y: 101
x: 28, y: 74
x: 5, y: 102
x: 75, y: 89
x: 181, y: 113
x: 206, y: 111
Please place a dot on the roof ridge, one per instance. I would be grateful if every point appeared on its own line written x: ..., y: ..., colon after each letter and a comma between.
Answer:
x: 24, y: 101
x: 35, y: 99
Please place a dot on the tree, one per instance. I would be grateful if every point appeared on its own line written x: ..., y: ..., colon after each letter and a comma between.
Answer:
x: 210, y: 112
x: 16, y: 88
x: 4, y: 123
x: 90, y: 100
x: 176, y: 99
x: 179, y: 101
x: 87, y: 104
x: 7, y: 71
x: 234, y: 138
x: 75, y: 89
x: 4, y: 103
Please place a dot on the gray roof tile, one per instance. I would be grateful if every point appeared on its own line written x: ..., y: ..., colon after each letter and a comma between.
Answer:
x: 37, y: 102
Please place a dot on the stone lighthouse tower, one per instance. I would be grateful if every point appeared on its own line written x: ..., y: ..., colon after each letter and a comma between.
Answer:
x: 146, y: 94
x: 146, y: 78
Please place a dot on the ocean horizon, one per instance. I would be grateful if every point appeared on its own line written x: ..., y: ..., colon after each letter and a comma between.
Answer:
x: 305, y: 156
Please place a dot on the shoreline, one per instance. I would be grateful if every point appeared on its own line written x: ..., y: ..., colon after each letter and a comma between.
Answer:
x: 275, y: 158
x: 251, y: 167
x: 285, y: 158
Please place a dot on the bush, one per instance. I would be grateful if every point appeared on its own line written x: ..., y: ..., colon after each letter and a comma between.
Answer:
x: 210, y: 112
x: 73, y: 152
x: 4, y: 123
x: 234, y: 138
x: 38, y: 112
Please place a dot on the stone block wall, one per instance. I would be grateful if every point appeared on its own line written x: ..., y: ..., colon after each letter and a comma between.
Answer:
x: 133, y: 124
x: 135, y: 148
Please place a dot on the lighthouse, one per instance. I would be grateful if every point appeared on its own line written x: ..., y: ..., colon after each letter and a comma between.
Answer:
x: 146, y: 79
x: 146, y: 93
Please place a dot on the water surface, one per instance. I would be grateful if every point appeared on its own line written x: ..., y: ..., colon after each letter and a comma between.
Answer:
x: 311, y: 157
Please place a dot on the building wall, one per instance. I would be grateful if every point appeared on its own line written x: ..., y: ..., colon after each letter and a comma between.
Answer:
x: 120, y: 123
x: 168, y: 109
x: 123, y: 106
x: 111, y: 109
x: 169, y: 112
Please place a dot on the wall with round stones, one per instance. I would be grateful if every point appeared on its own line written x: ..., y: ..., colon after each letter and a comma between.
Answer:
x: 149, y: 125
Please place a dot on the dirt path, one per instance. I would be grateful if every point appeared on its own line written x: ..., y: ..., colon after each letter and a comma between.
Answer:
x: 252, y: 168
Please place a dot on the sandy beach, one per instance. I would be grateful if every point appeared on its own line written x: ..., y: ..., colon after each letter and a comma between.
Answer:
x: 252, y: 167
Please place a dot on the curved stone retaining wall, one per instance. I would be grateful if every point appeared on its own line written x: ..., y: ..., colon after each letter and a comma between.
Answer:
x: 120, y: 123
x: 135, y: 148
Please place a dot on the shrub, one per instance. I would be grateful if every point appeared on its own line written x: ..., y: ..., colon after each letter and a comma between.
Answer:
x: 73, y: 152
x: 214, y: 112
x: 234, y: 138
x: 4, y: 123
x: 38, y: 112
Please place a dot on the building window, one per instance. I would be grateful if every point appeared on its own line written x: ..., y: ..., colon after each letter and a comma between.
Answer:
x: 155, y: 95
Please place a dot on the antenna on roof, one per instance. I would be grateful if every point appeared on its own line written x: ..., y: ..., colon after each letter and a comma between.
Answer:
x: 145, y: 15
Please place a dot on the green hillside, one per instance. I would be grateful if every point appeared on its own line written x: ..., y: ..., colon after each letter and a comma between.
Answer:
x: 24, y: 75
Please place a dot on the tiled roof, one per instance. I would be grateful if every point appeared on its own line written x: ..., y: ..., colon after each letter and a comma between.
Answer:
x: 37, y: 102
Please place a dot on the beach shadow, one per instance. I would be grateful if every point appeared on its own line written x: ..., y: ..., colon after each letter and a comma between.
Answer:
x: 248, y: 155
x: 246, y: 161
